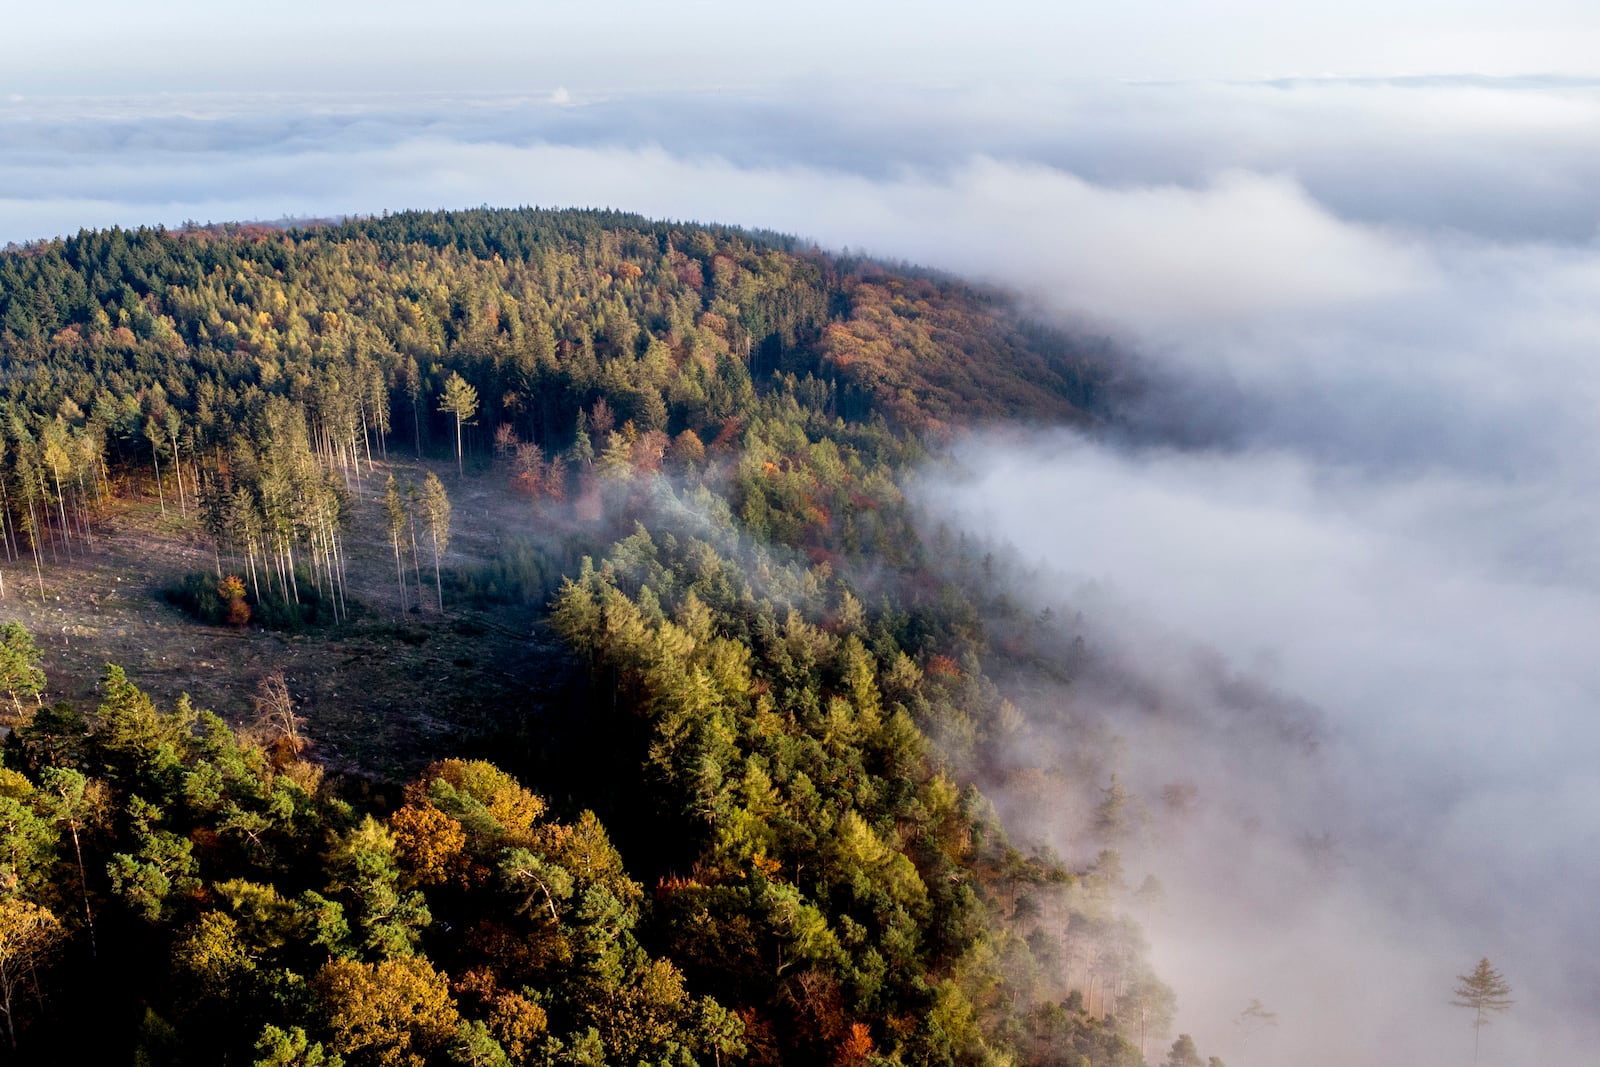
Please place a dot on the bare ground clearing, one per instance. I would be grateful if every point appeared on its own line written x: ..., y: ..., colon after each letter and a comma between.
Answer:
x: 381, y: 694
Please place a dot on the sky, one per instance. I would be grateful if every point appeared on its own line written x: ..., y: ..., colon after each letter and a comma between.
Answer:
x: 99, y: 46
x: 1340, y: 566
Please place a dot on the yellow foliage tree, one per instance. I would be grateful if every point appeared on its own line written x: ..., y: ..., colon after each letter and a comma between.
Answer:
x: 397, y: 1013
x: 29, y: 937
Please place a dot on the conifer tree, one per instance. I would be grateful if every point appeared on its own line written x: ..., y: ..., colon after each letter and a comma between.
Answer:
x: 395, y: 513
x: 461, y: 400
x: 436, y: 513
x: 1486, y: 992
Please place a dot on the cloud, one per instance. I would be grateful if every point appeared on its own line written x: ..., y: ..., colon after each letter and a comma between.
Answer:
x: 1501, y: 159
x: 1321, y: 652
x: 1341, y: 573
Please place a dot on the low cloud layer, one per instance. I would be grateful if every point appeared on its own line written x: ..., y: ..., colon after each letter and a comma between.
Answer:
x: 1501, y: 159
x: 1328, y: 657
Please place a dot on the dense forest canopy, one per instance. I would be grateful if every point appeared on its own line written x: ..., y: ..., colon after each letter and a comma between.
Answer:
x: 776, y: 851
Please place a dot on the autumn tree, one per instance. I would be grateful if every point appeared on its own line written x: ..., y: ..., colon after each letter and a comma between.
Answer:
x: 1487, y: 993
x: 230, y: 590
x: 29, y: 937
x: 395, y: 1013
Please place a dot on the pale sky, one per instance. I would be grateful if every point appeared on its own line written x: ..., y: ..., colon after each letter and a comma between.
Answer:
x: 98, y: 46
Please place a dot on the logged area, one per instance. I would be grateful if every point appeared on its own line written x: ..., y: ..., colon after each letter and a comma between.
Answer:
x: 522, y: 651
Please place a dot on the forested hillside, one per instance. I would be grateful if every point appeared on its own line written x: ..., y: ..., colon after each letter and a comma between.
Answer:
x: 744, y: 829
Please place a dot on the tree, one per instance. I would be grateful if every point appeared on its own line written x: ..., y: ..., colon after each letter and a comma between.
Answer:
x: 1149, y: 1004
x: 20, y: 675
x: 413, y: 376
x: 1254, y: 1019
x: 74, y: 801
x: 1184, y: 1054
x: 230, y: 591
x: 29, y: 936
x: 154, y: 432
x: 436, y: 511
x: 461, y: 400
x: 291, y: 1048
x: 394, y: 511
x: 277, y: 725
x: 395, y: 1013
x: 390, y: 916
x: 1486, y: 992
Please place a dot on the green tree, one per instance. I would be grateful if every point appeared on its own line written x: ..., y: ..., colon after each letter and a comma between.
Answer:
x: 364, y: 865
x: 461, y: 400
x: 1487, y: 993
x: 1184, y: 1054
x: 27, y: 842
x: 291, y: 1048
x: 75, y: 801
x: 20, y: 674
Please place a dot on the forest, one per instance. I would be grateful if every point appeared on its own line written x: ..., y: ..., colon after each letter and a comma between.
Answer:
x: 748, y: 829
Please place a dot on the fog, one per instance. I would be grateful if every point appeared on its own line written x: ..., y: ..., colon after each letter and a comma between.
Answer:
x: 1340, y: 572
x: 1388, y: 724
x: 1338, y: 567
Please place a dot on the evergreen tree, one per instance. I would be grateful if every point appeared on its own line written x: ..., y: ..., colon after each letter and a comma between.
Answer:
x: 436, y: 513
x: 1487, y: 993
x: 461, y: 400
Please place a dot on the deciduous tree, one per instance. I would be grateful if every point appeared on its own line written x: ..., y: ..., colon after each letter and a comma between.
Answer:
x: 29, y: 937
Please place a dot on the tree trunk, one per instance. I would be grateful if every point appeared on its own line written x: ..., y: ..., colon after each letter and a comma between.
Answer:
x: 83, y: 884
x: 155, y: 457
x: 61, y: 507
x: 177, y: 469
x: 436, y: 580
x: 400, y: 575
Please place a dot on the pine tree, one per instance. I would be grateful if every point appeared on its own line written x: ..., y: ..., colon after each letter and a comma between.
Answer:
x: 395, y: 512
x: 1486, y: 992
x: 436, y: 512
x: 461, y: 400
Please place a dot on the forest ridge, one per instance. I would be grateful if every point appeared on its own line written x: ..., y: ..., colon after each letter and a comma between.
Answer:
x: 781, y: 855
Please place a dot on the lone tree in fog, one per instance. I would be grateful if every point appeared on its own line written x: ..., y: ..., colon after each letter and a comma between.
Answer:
x: 1484, y: 991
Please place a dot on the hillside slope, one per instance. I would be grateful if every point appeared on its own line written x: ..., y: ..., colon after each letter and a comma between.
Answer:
x: 750, y: 722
